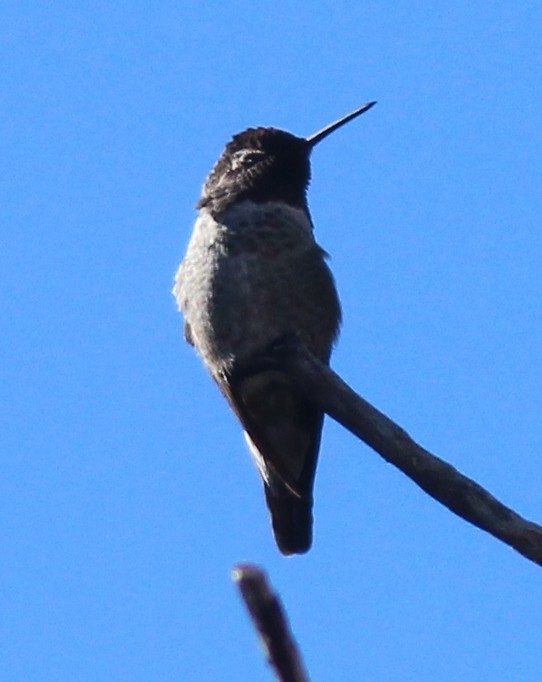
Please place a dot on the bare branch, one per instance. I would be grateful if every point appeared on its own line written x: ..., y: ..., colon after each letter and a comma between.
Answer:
x: 319, y: 384
x: 271, y: 623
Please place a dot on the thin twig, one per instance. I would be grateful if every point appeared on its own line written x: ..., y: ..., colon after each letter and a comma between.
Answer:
x: 325, y: 389
x: 271, y: 623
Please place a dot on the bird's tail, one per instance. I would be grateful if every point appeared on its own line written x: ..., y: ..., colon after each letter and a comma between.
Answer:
x: 283, y: 431
x: 291, y: 517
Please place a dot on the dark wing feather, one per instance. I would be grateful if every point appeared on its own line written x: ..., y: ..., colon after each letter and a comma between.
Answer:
x: 188, y: 334
x: 284, y: 428
x: 284, y: 436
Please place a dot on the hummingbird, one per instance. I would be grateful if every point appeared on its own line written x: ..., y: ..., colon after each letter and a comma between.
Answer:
x: 253, y: 274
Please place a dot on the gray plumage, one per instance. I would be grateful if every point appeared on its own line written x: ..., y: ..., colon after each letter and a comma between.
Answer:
x: 253, y: 274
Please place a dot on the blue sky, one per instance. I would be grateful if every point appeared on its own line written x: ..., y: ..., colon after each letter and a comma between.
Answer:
x: 127, y: 494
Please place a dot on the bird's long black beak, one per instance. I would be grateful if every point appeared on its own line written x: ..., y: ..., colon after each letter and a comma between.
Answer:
x: 321, y: 134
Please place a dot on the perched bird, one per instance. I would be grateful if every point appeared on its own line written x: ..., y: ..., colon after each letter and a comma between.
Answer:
x: 253, y: 274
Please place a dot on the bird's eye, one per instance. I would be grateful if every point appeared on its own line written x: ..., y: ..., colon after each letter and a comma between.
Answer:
x: 246, y: 158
